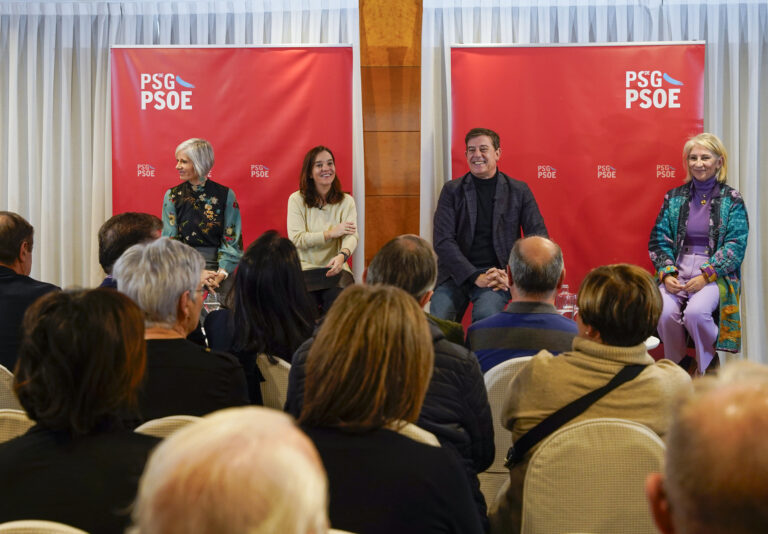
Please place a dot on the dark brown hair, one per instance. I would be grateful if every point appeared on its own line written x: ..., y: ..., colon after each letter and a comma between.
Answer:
x: 622, y: 302
x: 477, y: 132
x: 81, y: 359
x: 371, y: 361
x: 14, y: 230
x: 307, y: 183
x: 121, y: 232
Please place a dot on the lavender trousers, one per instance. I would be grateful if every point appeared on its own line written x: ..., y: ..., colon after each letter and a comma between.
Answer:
x: 691, y: 312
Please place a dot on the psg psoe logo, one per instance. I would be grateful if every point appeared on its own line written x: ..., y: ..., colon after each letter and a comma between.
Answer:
x: 165, y: 91
x: 665, y: 171
x: 646, y: 89
x: 547, y: 172
x: 259, y: 171
x: 145, y: 170
x: 606, y: 172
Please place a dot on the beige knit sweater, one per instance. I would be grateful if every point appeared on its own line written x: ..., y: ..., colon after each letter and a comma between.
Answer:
x: 306, y: 226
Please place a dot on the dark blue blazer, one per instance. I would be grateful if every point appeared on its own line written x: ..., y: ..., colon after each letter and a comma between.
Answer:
x: 515, y: 213
x: 17, y: 292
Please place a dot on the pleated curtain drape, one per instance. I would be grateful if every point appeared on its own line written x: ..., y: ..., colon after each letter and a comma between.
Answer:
x: 735, y: 100
x: 55, y: 132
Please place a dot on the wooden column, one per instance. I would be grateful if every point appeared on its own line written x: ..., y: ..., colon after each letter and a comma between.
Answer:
x: 390, y: 58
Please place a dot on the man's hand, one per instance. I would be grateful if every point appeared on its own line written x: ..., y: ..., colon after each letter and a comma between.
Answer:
x: 482, y: 280
x: 672, y: 284
x: 497, y: 279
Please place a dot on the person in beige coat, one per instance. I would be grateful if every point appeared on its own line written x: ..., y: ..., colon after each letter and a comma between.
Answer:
x: 619, y: 307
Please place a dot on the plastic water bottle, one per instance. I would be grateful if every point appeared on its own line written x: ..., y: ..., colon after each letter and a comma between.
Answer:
x: 563, y: 301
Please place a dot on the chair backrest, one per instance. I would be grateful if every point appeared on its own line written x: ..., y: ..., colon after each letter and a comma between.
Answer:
x: 497, y: 380
x: 36, y: 526
x: 165, y: 426
x: 274, y: 389
x: 8, y: 398
x: 590, y: 477
x: 13, y: 423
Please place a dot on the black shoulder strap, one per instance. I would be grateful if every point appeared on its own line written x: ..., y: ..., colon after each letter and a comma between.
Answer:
x: 568, y: 412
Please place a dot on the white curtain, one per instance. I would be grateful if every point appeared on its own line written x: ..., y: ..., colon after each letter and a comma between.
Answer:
x: 55, y: 133
x: 736, y: 91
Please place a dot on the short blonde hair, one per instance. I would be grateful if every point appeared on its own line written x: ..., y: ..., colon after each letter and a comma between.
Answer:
x: 712, y: 143
x: 200, y: 153
x: 622, y: 302
x: 371, y: 361
x: 241, y: 470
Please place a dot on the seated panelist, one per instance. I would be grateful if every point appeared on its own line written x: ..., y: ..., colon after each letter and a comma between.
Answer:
x: 204, y: 214
x: 697, y: 246
x: 322, y: 223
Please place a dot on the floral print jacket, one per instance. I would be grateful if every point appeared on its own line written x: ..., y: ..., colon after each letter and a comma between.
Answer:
x: 728, y: 230
x: 205, y: 215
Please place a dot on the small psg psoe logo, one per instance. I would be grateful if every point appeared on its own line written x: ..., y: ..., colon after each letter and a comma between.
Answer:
x: 162, y: 91
x: 547, y: 172
x: 259, y: 171
x: 145, y: 170
x: 665, y: 171
x: 646, y: 89
x: 606, y: 172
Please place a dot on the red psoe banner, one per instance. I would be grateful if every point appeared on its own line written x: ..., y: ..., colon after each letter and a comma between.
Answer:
x: 261, y: 109
x: 597, y: 132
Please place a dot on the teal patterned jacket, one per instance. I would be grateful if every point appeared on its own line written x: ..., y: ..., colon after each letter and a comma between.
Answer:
x: 728, y: 230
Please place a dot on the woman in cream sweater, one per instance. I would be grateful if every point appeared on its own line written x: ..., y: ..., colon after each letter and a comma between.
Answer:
x: 322, y: 223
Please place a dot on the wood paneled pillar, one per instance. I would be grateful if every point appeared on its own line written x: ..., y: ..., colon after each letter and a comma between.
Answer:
x: 390, y: 58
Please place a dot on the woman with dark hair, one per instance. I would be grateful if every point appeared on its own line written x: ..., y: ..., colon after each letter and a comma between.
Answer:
x: 367, y: 375
x: 81, y: 360
x: 272, y: 312
x: 322, y: 223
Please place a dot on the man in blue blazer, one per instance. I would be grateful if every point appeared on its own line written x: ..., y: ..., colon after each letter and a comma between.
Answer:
x: 17, y: 289
x: 478, y: 218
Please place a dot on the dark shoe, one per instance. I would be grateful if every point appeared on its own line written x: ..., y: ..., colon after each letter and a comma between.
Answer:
x: 689, y: 365
x: 714, y: 365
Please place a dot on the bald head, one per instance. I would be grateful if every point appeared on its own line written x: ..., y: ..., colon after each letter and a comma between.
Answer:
x: 717, y: 457
x: 535, y: 267
x: 237, y: 470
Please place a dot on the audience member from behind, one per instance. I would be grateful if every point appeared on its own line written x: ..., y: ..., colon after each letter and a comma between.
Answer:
x: 164, y: 278
x: 456, y: 406
x: 716, y: 469
x: 17, y: 289
x: 530, y: 323
x: 367, y: 374
x: 120, y: 232
x: 80, y: 363
x: 241, y: 470
x: 272, y: 314
x: 619, y: 307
